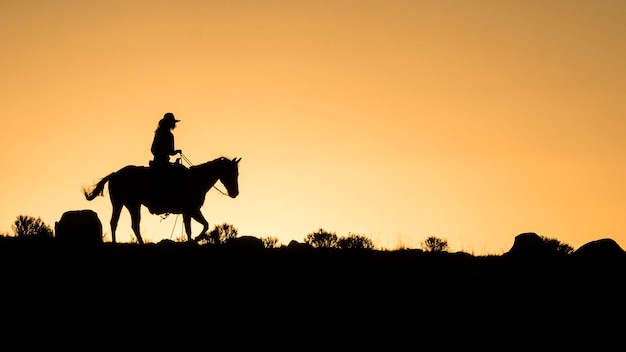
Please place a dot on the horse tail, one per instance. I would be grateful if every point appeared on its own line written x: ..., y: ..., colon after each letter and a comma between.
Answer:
x: 97, y: 190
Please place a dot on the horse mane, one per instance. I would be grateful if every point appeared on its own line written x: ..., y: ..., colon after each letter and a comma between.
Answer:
x: 211, y: 162
x: 221, y: 158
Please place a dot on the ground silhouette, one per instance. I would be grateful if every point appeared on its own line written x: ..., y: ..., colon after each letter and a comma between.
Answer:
x: 300, y: 294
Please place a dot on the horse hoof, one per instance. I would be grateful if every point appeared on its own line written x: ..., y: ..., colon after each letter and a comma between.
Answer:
x: 202, y: 236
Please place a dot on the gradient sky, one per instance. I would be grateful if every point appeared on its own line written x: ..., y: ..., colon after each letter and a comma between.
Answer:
x: 471, y: 121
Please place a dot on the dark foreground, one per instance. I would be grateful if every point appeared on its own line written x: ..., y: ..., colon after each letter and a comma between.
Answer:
x: 359, y: 298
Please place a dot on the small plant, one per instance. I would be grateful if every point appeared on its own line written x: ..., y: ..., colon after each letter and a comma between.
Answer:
x: 219, y: 235
x: 354, y: 241
x: 28, y: 226
x: 557, y: 246
x: 180, y: 239
x: 434, y: 244
x: 322, y: 239
x: 270, y: 242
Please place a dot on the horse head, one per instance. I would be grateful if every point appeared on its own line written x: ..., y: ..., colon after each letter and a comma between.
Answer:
x: 230, y: 175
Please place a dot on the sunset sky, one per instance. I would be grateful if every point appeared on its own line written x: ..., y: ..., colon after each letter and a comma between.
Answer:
x: 471, y: 121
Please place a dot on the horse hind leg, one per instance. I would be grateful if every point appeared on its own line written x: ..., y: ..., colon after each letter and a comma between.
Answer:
x: 115, y: 216
x: 135, y: 218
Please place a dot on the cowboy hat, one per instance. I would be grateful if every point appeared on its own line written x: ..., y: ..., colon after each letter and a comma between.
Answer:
x: 170, y: 117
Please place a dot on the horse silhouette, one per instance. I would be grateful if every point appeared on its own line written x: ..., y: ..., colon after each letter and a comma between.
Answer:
x: 173, y: 189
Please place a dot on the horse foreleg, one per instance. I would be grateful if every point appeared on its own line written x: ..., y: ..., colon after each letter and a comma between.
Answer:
x: 135, y: 218
x: 115, y: 216
x: 197, y: 215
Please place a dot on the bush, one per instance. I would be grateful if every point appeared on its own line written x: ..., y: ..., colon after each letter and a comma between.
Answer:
x: 270, y: 242
x: 322, y: 239
x: 434, y: 244
x: 28, y: 226
x: 557, y: 246
x: 219, y: 235
x: 354, y: 241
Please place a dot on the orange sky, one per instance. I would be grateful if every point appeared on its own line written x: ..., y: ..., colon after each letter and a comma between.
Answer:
x: 472, y: 121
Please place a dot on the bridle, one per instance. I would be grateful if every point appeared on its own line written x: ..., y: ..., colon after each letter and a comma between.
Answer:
x: 190, y: 164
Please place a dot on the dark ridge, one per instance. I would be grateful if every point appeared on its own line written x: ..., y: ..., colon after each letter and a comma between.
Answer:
x: 353, y: 295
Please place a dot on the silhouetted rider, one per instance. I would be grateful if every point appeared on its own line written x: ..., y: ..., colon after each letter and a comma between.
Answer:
x: 163, y: 143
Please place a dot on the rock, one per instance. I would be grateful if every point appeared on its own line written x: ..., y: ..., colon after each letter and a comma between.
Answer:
x: 79, y: 227
x: 529, y: 245
x: 605, y: 248
x: 246, y: 243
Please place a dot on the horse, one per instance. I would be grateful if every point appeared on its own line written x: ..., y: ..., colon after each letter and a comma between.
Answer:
x: 173, y: 189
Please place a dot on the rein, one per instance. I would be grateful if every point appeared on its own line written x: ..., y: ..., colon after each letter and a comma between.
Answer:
x: 190, y: 164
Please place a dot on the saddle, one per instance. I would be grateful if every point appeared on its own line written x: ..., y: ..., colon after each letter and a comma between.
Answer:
x: 167, y: 181
x: 164, y: 163
x: 166, y: 174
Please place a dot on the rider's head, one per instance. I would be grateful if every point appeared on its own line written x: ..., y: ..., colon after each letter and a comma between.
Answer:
x: 168, y: 120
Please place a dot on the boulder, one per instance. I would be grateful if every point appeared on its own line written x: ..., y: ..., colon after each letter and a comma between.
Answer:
x: 295, y: 245
x: 246, y: 243
x: 529, y: 245
x: 79, y: 227
x: 604, y: 248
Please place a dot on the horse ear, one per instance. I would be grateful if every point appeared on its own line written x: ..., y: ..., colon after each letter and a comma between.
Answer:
x: 236, y: 160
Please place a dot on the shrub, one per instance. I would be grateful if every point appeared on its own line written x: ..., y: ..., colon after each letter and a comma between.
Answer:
x: 270, y: 242
x: 28, y: 226
x: 557, y: 246
x: 219, y: 235
x: 434, y: 244
x: 322, y: 239
x: 354, y: 241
